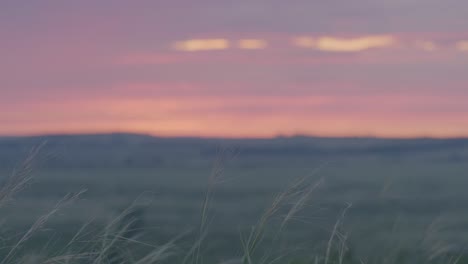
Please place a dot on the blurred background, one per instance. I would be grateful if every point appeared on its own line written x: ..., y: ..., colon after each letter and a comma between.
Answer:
x: 145, y: 103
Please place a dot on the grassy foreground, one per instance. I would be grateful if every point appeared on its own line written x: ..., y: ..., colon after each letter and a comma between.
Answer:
x: 125, y: 239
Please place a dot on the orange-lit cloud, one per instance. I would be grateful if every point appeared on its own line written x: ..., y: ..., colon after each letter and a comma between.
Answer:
x: 252, y: 44
x: 336, y: 44
x: 202, y: 44
x: 354, y: 44
x: 304, y: 42
x: 462, y: 45
x: 426, y: 45
x: 324, y: 43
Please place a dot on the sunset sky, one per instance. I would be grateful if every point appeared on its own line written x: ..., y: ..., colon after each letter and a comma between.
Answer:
x: 243, y: 68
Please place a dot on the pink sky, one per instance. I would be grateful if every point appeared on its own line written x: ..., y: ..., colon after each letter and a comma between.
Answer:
x: 235, y: 69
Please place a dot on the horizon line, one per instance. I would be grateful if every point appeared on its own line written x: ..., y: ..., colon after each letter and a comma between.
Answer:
x: 278, y: 136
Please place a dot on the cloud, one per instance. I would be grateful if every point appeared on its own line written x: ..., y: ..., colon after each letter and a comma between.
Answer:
x: 252, y: 44
x: 426, y: 45
x: 328, y: 43
x: 202, y: 44
x: 304, y: 42
x: 462, y: 45
x: 324, y: 43
x: 337, y: 44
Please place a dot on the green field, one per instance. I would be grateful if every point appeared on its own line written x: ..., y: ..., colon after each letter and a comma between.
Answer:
x: 408, y: 198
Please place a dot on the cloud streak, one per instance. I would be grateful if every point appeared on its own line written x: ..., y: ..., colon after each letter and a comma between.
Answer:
x: 334, y: 44
x: 252, y: 44
x: 202, y: 44
x: 426, y: 45
x: 319, y: 43
x: 462, y: 45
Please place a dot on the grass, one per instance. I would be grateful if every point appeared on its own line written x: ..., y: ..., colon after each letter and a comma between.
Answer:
x: 122, y: 239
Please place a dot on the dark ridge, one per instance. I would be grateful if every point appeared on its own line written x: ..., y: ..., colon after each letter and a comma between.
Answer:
x: 277, y: 138
x: 136, y: 150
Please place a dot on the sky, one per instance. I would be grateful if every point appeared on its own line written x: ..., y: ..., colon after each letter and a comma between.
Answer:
x: 244, y: 68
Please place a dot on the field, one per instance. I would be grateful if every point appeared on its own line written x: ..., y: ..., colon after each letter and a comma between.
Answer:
x: 403, y: 199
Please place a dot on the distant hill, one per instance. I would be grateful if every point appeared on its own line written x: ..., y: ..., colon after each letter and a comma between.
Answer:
x: 144, y: 150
